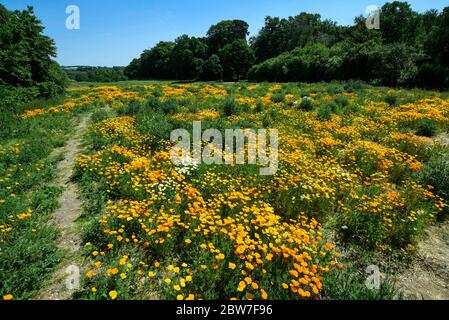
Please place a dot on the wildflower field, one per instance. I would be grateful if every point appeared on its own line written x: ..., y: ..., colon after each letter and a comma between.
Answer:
x: 361, y: 175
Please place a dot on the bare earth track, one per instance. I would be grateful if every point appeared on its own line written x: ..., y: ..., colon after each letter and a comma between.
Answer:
x: 65, y: 217
x: 428, y: 276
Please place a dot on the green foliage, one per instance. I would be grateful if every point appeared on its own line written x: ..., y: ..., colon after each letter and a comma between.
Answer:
x: 342, y: 100
x: 95, y: 74
x: 99, y: 115
x: 237, y: 58
x: 385, y: 64
x: 436, y: 173
x: 349, y: 284
x: 306, y: 104
x: 278, y: 97
x: 409, y: 50
x: 226, y: 32
x: 281, y: 35
x: 155, y: 125
x: 26, y: 54
x: 229, y: 106
x: 391, y: 99
x: 259, y: 107
x: 213, y: 69
x: 187, y: 58
x: 28, y: 253
x: 325, y: 111
x: 427, y: 128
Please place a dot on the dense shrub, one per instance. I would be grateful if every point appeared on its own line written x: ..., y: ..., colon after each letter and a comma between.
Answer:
x: 229, y: 106
x: 306, y: 104
x: 427, y: 128
x: 391, y: 99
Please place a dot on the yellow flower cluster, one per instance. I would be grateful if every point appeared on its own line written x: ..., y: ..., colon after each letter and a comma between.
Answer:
x: 225, y: 232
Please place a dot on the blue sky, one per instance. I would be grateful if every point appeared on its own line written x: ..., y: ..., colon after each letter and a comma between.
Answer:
x: 113, y: 32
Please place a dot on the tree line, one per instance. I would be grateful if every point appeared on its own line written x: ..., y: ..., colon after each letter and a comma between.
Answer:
x: 409, y: 49
x: 223, y: 53
x: 95, y: 74
x: 26, y: 55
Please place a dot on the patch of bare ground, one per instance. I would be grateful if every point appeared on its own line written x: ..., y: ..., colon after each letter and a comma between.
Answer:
x: 427, y: 278
x: 65, y: 217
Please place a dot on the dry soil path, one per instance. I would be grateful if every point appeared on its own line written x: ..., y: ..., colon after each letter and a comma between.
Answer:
x: 428, y: 275
x: 63, y: 281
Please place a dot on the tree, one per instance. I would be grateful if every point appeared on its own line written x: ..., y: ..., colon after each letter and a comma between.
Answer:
x: 155, y: 63
x: 359, y: 33
x: 224, y: 33
x: 133, y: 70
x: 282, y: 35
x: 237, y: 58
x: 399, y: 23
x: 26, y: 54
x: 187, y: 58
x: 437, y: 44
x: 213, y: 69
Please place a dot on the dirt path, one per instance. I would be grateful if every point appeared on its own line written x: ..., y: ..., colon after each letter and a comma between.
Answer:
x: 428, y: 276
x: 65, y: 217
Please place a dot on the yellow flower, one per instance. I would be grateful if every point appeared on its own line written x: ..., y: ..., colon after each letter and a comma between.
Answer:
x: 94, y: 290
x: 179, y: 297
x: 177, y: 287
x: 123, y: 260
x: 114, y: 271
x: 123, y: 276
x: 151, y: 274
x: 220, y: 256
x: 189, y: 278
x: 113, y: 294
x: 8, y: 297
x: 232, y: 266
x: 242, y: 286
x: 89, y: 274
x: 167, y: 280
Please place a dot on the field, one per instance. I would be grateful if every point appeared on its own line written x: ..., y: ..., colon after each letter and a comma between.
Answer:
x: 362, y: 174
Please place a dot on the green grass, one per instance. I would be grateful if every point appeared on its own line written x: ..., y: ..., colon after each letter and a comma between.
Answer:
x: 29, y: 252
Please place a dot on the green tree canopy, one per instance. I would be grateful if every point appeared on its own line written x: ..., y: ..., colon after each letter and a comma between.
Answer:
x: 26, y: 54
x: 226, y: 32
x: 237, y: 58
